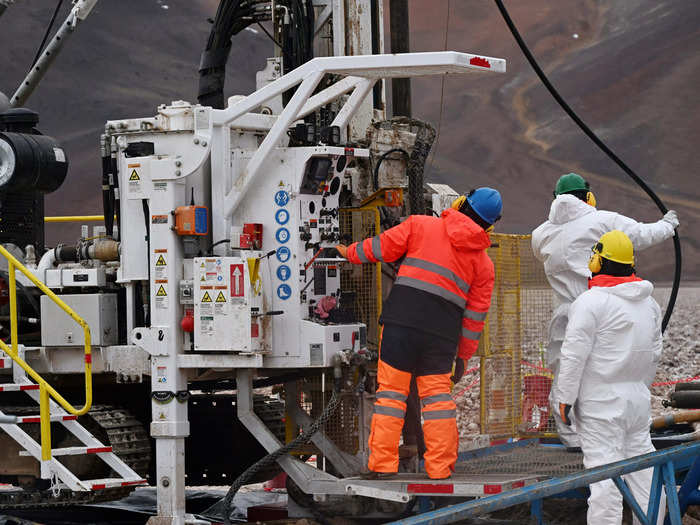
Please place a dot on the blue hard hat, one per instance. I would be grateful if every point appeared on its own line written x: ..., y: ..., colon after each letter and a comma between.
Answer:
x: 486, y: 203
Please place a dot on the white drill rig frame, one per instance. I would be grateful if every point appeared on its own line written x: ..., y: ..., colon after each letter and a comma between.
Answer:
x: 200, y: 139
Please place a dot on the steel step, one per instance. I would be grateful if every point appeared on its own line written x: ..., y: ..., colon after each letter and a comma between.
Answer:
x: 14, y: 387
x: 108, y: 483
x: 37, y: 419
x: 73, y: 451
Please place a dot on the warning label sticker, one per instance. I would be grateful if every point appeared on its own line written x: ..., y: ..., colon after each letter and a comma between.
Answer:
x: 162, y: 295
x: 160, y: 264
x: 159, y: 219
x: 135, y: 190
x: 221, y: 304
x: 206, y: 298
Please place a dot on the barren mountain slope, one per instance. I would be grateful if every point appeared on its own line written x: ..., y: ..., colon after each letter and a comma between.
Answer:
x: 630, y: 68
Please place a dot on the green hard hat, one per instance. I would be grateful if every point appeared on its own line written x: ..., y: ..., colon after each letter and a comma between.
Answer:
x: 570, y: 182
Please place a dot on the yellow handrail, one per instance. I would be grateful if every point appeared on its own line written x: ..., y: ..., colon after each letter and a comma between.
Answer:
x: 75, y: 218
x: 45, y: 389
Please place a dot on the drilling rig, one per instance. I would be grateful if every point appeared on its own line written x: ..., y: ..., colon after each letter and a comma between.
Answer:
x: 215, y: 271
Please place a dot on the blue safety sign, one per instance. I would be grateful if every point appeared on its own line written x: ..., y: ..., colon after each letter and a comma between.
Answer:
x: 284, y: 292
x: 281, y: 198
x: 284, y: 272
x: 282, y: 216
x: 283, y: 254
x: 282, y: 235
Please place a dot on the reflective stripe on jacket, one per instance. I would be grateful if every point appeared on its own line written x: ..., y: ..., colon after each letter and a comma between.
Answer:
x: 445, y: 280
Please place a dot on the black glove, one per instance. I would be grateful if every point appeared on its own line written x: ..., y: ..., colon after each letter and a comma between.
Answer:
x: 564, y: 410
x: 458, y: 370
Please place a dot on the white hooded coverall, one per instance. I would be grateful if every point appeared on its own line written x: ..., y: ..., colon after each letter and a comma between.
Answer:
x: 608, y: 361
x: 563, y: 243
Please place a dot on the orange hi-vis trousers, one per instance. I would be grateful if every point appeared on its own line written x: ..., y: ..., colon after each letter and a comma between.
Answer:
x: 406, y: 352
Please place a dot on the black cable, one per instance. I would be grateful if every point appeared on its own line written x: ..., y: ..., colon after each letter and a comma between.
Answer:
x: 381, y: 159
x: 27, y: 294
x: 270, y: 459
x: 269, y: 35
x: 48, y: 31
x: 222, y: 241
x: 581, y: 124
x: 147, y: 238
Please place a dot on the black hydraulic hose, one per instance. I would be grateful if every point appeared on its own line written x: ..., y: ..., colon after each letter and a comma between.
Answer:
x: 581, y: 124
x: 107, y: 196
x: 115, y: 197
x: 47, y: 32
x: 271, y: 459
x: 381, y: 159
x: 25, y: 292
x: 301, y: 439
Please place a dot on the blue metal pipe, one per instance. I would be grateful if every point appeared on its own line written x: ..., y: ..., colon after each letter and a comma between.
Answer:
x: 674, y: 511
x: 688, y: 493
x: 554, y: 486
x: 627, y: 495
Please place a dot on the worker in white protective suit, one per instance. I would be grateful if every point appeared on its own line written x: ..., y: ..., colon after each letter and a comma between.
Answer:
x: 608, y: 361
x: 563, y: 244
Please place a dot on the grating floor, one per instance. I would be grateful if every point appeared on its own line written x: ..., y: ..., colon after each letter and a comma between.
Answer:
x: 531, y: 459
x: 479, y: 473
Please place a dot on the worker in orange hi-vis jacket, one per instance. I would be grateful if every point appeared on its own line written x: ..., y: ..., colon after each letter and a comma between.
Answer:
x: 436, y: 309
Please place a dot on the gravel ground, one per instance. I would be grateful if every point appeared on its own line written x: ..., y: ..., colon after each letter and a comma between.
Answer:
x: 680, y: 360
x: 681, y: 355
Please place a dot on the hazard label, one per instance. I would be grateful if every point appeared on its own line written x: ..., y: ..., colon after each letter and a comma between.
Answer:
x: 220, y: 298
x: 162, y: 295
x: 206, y: 298
x: 135, y: 190
x: 160, y: 264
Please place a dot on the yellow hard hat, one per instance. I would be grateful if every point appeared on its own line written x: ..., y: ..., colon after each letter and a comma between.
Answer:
x: 615, y: 246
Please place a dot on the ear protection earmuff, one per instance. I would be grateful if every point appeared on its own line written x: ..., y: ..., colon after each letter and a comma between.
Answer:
x: 595, y: 263
x: 590, y: 199
x: 458, y: 202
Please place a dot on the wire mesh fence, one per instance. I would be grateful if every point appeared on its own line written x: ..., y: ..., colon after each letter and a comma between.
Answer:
x: 362, y: 280
x: 514, y: 379
x: 342, y: 426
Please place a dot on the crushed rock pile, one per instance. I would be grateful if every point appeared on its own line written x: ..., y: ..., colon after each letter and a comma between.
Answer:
x: 680, y: 361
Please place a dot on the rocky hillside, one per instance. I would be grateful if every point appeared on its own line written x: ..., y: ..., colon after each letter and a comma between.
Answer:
x: 630, y: 68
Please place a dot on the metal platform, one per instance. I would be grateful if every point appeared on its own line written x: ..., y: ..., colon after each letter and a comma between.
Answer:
x: 481, y: 472
x: 405, y: 486
x: 670, y: 466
